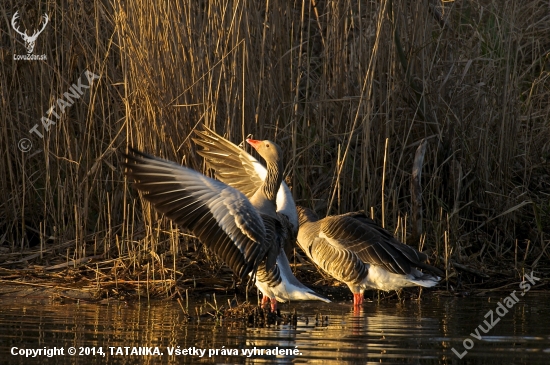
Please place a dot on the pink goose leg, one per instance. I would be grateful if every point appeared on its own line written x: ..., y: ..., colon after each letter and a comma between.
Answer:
x: 357, y: 299
x: 265, y: 300
x: 273, y: 304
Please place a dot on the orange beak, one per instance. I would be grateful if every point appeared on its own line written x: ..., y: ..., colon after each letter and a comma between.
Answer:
x: 254, y: 143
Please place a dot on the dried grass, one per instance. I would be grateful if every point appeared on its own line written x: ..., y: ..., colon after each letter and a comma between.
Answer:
x: 331, y: 82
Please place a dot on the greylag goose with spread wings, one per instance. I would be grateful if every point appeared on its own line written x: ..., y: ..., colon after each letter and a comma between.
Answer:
x: 237, y: 168
x: 245, y: 231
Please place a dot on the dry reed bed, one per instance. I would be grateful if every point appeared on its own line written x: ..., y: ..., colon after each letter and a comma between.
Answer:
x: 348, y: 89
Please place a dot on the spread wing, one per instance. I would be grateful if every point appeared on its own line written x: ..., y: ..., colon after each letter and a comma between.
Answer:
x: 237, y: 168
x: 219, y: 215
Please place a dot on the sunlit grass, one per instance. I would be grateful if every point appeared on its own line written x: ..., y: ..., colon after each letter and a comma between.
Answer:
x: 330, y: 82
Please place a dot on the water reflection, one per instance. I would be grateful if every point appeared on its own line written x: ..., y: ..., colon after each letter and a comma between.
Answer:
x: 417, y: 332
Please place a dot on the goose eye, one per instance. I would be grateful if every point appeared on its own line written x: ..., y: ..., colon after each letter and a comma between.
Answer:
x: 267, y: 144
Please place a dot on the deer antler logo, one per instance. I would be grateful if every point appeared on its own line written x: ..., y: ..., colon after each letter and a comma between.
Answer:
x: 29, y: 40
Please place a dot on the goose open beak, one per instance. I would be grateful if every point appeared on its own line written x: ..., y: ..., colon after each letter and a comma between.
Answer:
x: 254, y: 143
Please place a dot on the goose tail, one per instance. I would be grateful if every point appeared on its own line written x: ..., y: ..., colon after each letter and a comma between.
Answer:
x: 380, y: 278
x: 425, y: 280
x: 289, y: 288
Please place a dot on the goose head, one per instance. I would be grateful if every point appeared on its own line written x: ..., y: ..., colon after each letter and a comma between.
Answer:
x: 270, y: 151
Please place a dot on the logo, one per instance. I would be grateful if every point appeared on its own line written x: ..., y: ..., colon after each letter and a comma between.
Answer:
x: 29, y: 40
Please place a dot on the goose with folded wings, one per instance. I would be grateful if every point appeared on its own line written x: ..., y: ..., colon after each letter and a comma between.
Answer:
x: 353, y: 249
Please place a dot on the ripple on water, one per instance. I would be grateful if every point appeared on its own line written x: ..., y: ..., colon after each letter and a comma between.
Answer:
x: 388, y: 332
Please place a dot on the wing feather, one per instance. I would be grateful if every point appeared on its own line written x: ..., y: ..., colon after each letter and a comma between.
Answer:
x: 219, y: 215
x: 409, y: 252
x: 237, y: 168
x: 231, y: 164
x: 341, y: 263
x: 344, y: 232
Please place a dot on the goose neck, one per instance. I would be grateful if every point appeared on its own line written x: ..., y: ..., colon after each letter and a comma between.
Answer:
x: 273, y: 181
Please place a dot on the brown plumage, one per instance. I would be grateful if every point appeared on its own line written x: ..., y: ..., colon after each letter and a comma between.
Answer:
x: 246, y: 232
x: 235, y: 167
x: 220, y: 216
x: 355, y: 250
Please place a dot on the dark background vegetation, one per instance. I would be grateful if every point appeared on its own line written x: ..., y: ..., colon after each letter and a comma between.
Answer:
x: 349, y: 89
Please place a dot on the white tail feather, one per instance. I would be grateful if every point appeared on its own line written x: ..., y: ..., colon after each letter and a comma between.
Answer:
x: 290, y: 288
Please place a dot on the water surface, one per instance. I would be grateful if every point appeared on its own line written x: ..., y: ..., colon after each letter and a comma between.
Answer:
x: 390, y: 332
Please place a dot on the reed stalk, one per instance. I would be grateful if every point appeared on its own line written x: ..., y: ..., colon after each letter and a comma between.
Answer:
x: 331, y: 82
